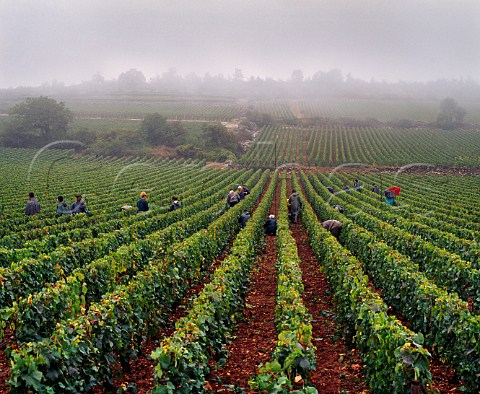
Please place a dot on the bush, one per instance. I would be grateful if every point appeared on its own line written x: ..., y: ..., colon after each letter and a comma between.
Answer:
x: 189, y: 151
x: 220, y: 155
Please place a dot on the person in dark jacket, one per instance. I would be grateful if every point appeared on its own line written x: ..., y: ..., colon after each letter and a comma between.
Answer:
x: 270, y: 225
x: 334, y: 226
x: 175, y: 204
x: 79, y: 205
x: 142, y: 203
x: 339, y: 208
x: 295, y: 205
x: 241, y: 194
x: 33, y: 206
x: 243, y: 218
x: 62, y: 207
x: 356, y: 185
x: 232, y: 198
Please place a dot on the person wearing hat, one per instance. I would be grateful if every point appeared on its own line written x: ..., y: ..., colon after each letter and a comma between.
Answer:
x: 270, y: 225
x: 142, y: 203
x: 243, y: 218
x: 79, y: 205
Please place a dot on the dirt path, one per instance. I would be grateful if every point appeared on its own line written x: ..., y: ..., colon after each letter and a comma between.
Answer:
x: 444, y: 379
x: 4, y: 362
x: 339, y: 369
x: 141, y: 374
x: 256, y: 337
x: 295, y: 109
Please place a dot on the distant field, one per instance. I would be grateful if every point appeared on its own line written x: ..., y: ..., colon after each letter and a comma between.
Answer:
x: 330, y: 146
x: 173, y: 108
x: 104, y: 125
x: 320, y: 146
x: 137, y: 106
x: 194, y: 129
x: 383, y: 110
x: 177, y: 107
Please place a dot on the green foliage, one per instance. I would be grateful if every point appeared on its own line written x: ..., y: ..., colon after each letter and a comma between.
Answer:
x: 35, y: 317
x: 154, y: 129
x: 217, y: 136
x: 258, y: 118
x: 182, y: 359
x: 84, y: 135
x: 451, y: 114
x: 220, y: 155
x: 157, y: 131
x: 189, y: 151
x: 450, y: 329
x: 118, y: 143
x: 38, y: 120
x: 331, y: 145
x: 81, y: 293
x: 393, y: 354
x: 294, y: 355
x: 114, y: 328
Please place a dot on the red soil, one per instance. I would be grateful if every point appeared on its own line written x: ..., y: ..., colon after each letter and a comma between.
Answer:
x: 339, y: 368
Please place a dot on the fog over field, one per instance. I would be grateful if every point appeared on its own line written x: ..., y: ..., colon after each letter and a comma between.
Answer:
x: 69, y: 41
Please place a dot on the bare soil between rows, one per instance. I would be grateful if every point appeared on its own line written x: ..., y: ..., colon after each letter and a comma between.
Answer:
x: 339, y: 367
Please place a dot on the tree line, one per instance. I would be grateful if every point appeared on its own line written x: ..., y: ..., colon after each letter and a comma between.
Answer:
x: 38, y: 121
x: 332, y: 83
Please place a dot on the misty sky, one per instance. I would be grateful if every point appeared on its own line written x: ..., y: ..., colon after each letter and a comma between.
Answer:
x: 71, y: 40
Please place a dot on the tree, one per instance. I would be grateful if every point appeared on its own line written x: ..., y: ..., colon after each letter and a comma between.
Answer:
x: 157, y: 131
x: 297, y: 76
x: 97, y: 79
x: 118, y: 142
x: 177, y: 134
x: 132, y: 80
x: 451, y: 114
x: 259, y: 118
x: 41, y: 118
x: 216, y: 137
x: 154, y: 129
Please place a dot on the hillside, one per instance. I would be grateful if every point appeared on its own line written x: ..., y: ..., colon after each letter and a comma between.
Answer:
x: 88, y: 300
